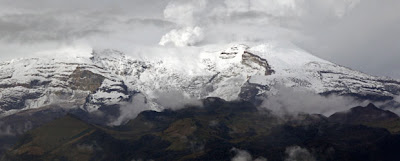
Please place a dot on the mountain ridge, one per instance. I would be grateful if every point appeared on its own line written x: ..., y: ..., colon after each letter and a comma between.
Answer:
x: 208, y: 133
x: 239, y: 72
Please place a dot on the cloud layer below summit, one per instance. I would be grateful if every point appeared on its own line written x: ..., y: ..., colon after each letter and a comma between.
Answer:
x: 361, y: 34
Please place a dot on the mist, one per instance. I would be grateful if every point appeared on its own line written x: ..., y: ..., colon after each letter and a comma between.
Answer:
x: 172, y: 100
x: 30, y: 29
x: 243, y: 155
x: 175, y: 100
x: 14, y: 130
x: 293, y: 153
x: 293, y: 101
x: 130, y: 111
x: 296, y: 153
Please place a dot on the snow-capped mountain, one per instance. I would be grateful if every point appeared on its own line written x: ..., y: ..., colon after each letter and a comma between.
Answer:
x: 240, y: 72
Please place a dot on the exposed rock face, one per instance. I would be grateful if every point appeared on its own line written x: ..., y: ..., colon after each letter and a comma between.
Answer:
x: 233, y: 51
x: 85, y: 80
x: 35, y: 83
x: 250, y: 92
x: 256, y: 62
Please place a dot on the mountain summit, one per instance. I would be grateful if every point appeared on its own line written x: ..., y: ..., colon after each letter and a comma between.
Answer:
x: 244, y: 72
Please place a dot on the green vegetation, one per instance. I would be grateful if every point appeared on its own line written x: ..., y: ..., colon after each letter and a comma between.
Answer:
x: 208, y: 133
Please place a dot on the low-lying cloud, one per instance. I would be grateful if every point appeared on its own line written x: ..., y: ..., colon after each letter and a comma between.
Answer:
x: 175, y: 100
x: 131, y: 110
x: 292, y: 153
x: 13, y: 130
x: 172, y: 99
x: 243, y: 155
x: 296, y: 100
x: 296, y: 153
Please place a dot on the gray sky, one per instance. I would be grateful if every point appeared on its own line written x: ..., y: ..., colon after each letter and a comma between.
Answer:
x: 360, y: 34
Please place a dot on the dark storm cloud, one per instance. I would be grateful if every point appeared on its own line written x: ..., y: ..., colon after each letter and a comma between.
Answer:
x: 361, y: 34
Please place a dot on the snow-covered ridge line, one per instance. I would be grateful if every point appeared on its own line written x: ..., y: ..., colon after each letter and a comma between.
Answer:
x: 240, y: 72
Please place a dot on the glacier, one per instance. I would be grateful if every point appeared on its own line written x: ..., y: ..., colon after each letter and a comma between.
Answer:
x: 231, y: 72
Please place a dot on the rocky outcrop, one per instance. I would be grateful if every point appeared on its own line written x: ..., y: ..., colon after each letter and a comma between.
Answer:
x: 256, y: 62
x: 85, y: 80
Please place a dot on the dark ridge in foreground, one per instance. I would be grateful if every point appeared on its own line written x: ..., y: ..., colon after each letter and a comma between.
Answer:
x: 212, y: 131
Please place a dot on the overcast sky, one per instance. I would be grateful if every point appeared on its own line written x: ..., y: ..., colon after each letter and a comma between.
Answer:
x: 360, y: 34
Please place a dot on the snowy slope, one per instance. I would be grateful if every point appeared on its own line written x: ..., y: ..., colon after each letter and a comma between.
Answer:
x: 240, y: 72
x: 297, y: 68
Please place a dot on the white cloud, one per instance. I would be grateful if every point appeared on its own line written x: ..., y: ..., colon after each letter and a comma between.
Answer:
x: 296, y: 153
x: 252, y: 20
x: 295, y: 101
x: 271, y: 7
x: 187, y: 36
x: 174, y: 99
x: 68, y: 51
x: 131, y: 110
x: 237, y: 6
x: 184, y: 12
x: 243, y: 155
